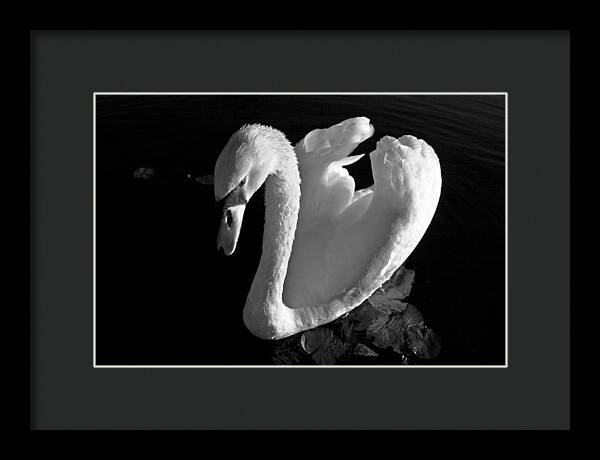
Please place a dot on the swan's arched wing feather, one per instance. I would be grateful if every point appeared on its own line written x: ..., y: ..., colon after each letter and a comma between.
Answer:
x: 327, y: 188
x: 340, y: 258
x: 332, y: 141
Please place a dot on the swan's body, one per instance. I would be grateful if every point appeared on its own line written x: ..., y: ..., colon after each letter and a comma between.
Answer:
x: 326, y: 248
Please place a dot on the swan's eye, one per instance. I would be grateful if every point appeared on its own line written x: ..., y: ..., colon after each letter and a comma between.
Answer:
x: 243, y: 182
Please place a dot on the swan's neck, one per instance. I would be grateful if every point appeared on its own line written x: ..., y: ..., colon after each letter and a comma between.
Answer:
x: 265, y: 314
x: 282, y: 203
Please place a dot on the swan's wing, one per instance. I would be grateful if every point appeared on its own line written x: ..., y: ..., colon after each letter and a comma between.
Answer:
x: 349, y: 243
x: 327, y: 189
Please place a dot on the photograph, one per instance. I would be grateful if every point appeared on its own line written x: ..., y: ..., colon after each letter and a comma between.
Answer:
x: 300, y: 229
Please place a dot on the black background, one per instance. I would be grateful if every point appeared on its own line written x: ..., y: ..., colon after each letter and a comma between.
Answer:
x: 166, y: 296
x: 67, y: 392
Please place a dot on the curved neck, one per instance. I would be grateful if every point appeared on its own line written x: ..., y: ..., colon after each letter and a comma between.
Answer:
x: 282, y: 204
x: 265, y: 314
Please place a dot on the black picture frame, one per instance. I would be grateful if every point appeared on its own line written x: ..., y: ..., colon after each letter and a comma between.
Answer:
x: 67, y: 67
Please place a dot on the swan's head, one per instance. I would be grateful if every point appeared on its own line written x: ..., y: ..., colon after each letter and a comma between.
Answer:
x: 242, y: 167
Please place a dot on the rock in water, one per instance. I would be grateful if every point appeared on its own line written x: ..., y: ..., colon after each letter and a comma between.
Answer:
x: 144, y: 173
x: 381, y: 328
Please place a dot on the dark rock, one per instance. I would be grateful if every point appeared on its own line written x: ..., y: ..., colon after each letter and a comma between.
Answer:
x: 387, y: 334
x: 424, y: 342
x: 144, y: 173
x: 205, y: 180
x: 362, y: 350
x: 314, y: 339
x: 324, y: 356
x: 379, y: 329
x: 363, y: 315
x: 324, y: 345
x: 412, y: 316
x: 388, y: 297
x: 288, y: 351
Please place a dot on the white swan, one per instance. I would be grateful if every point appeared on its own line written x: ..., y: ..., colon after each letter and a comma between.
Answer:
x: 326, y: 248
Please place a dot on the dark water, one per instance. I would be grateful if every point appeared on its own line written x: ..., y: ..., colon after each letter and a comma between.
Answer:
x: 164, y: 294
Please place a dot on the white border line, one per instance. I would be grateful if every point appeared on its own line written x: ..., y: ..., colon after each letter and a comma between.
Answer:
x: 506, y: 228
x: 94, y: 230
x: 306, y: 93
x: 495, y: 93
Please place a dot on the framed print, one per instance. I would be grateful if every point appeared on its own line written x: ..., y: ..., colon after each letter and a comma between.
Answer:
x: 233, y: 230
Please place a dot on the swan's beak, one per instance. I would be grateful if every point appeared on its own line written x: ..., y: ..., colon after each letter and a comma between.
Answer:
x: 229, y: 229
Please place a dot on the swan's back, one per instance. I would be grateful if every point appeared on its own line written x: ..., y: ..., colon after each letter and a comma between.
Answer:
x: 354, y: 240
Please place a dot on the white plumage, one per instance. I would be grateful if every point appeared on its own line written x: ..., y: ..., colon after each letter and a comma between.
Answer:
x: 326, y: 247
